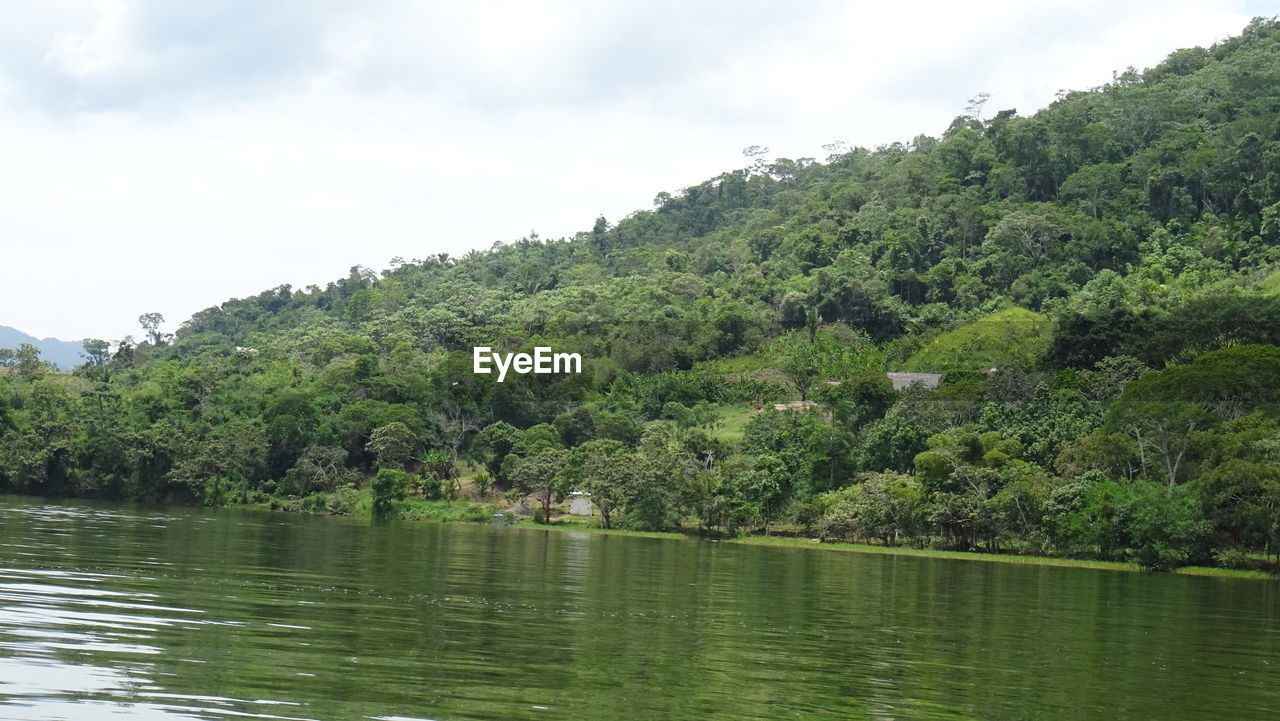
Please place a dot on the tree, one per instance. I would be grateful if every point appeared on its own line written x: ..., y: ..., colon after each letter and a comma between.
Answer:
x: 539, y: 475
x: 892, y: 444
x: 799, y: 362
x: 492, y: 445
x: 837, y: 353
x: 321, y: 468
x: 1115, y: 454
x: 757, y: 155
x: 860, y: 400
x: 1163, y: 409
x: 973, y: 108
x: 392, y: 444
x: 1242, y: 498
x: 883, y: 506
x: 575, y: 426
x: 1160, y: 428
x: 98, y: 352
x: 217, y: 459
x: 755, y: 495
x: 454, y: 425
x: 1092, y: 185
x: 388, y: 485
x: 150, y: 323
x: 27, y: 362
x: 1021, y: 241
x: 606, y: 470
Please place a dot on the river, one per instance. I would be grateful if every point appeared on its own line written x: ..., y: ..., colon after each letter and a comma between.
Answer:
x: 116, y: 611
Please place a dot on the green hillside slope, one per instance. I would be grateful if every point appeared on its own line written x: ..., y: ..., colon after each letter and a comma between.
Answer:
x: 1014, y: 337
x: 1120, y: 231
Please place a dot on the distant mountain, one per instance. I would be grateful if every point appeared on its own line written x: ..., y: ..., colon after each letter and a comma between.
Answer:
x: 65, y: 354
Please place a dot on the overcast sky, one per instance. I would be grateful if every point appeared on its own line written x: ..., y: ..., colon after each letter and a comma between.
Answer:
x: 168, y: 155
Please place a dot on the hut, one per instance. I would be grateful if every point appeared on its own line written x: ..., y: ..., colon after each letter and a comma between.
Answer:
x: 902, y: 381
x: 580, y: 504
x: 795, y: 406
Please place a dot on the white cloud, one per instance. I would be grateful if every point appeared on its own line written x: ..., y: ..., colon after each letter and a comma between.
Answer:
x: 167, y: 156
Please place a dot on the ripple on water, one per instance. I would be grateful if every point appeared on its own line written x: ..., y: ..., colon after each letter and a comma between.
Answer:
x: 125, y: 612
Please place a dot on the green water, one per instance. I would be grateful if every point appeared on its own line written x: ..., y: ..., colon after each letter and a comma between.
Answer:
x: 127, y: 612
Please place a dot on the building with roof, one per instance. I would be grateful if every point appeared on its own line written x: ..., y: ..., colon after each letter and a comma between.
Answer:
x: 903, y: 381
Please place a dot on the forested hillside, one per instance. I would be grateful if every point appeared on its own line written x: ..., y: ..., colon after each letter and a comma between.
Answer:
x: 1115, y: 258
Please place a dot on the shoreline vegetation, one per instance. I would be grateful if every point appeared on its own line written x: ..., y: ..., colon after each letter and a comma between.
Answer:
x: 1054, y: 334
x: 464, y: 510
x: 805, y: 542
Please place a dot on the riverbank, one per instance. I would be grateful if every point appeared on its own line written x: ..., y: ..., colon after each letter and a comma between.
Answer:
x: 416, y: 509
x: 585, y: 525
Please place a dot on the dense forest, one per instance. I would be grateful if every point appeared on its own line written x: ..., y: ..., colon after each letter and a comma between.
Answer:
x: 1097, y: 283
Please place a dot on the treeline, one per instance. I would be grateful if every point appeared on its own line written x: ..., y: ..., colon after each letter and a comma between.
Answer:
x: 1113, y: 257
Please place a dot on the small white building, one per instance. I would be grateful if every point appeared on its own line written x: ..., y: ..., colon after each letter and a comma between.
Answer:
x: 902, y: 381
x: 580, y: 504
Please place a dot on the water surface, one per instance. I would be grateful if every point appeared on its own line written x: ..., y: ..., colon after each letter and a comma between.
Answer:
x: 112, y: 611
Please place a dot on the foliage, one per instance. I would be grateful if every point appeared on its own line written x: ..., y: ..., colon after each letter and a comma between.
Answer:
x: 1114, y: 257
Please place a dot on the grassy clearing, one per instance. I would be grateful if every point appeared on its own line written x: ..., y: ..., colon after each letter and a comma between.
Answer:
x: 419, y: 509
x: 733, y: 420
x: 1010, y: 337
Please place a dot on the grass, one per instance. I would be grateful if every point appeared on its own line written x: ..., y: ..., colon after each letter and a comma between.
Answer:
x: 1271, y: 284
x: 1010, y: 337
x: 588, y: 525
x: 575, y: 523
x: 420, y: 509
x: 359, y: 504
x: 793, y: 542
x: 733, y: 420
x: 1222, y: 572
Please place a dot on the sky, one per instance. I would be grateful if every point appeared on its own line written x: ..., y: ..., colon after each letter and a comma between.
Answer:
x: 165, y: 156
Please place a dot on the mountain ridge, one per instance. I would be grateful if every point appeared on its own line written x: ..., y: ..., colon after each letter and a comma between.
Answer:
x: 64, y: 354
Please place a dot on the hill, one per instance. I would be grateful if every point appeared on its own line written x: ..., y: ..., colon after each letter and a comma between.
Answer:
x: 1120, y: 233
x: 1116, y: 204
x: 62, y: 353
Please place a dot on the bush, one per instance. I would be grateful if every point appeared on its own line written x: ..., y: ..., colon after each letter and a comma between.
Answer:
x: 343, y: 501
x: 430, y: 485
x: 389, y: 485
x: 1166, y: 529
x: 1233, y: 558
x: 483, y: 484
x: 315, y: 503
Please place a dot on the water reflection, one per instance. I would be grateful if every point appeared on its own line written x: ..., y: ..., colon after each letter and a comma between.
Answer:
x: 57, y: 627
x: 109, y: 611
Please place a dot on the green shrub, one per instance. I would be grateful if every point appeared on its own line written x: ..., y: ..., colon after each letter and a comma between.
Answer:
x: 430, y: 485
x: 1233, y: 558
x: 387, y: 486
x: 343, y: 501
x: 483, y: 484
x: 316, y: 503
